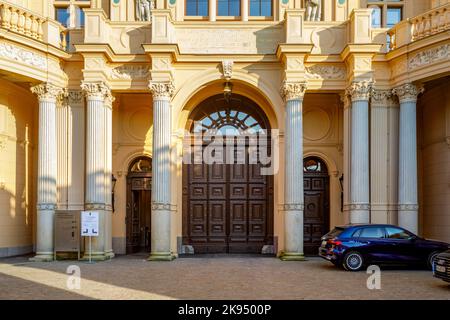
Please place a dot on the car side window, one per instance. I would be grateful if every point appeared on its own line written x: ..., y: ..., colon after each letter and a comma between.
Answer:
x: 373, y: 233
x: 396, y: 233
x: 357, y: 233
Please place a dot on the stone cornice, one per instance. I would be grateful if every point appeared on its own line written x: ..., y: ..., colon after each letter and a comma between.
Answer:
x: 291, y: 90
x: 46, y: 91
x: 96, y: 90
x: 161, y: 90
x: 408, y: 92
x: 360, y: 91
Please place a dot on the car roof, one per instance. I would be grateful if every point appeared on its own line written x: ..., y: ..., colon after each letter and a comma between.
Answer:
x: 354, y: 225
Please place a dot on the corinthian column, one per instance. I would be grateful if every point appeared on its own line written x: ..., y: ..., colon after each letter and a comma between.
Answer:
x: 160, y: 233
x: 47, y: 170
x: 408, y: 207
x: 293, y: 93
x: 98, y: 165
x: 359, y: 159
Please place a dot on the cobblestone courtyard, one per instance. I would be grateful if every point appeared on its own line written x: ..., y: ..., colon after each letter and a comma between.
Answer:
x: 213, y: 277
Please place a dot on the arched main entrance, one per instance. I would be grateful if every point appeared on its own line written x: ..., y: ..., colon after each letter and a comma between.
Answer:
x: 139, y: 193
x: 228, y: 206
x: 316, y: 184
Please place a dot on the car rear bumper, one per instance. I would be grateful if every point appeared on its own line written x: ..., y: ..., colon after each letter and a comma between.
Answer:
x: 329, y: 255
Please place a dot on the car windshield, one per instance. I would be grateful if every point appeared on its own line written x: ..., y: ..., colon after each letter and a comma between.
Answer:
x: 335, y: 232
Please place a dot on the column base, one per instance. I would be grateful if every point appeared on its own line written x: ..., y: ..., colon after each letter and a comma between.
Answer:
x: 42, y: 257
x: 161, y: 256
x: 98, y: 256
x: 292, y: 256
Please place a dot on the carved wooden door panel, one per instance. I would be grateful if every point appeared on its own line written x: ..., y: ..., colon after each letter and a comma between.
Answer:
x: 316, y: 213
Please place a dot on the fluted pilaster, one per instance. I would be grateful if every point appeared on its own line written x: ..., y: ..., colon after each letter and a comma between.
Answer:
x: 47, y: 170
x: 408, y: 207
x: 383, y: 156
x: 293, y: 93
x: 160, y: 233
x: 359, y: 190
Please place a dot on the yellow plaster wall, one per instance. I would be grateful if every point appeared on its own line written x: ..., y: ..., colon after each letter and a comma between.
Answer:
x: 434, y: 115
x: 132, y: 137
x: 18, y: 137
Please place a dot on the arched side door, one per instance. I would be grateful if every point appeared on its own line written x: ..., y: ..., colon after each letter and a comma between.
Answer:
x: 139, y: 205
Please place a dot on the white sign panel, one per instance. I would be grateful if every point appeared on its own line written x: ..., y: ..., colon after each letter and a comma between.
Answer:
x: 89, y: 223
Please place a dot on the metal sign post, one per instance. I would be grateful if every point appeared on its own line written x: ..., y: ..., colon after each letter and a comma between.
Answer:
x: 89, y: 227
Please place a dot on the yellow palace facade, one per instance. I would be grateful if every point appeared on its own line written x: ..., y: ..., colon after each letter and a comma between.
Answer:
x: 98, y: 100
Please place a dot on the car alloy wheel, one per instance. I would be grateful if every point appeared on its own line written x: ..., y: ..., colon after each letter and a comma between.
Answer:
x: 353, y: 261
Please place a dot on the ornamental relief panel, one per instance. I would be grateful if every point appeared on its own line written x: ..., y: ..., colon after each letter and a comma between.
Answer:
x: 429, y: 56
x: 129, y: 72
x: 326, y: 72
x: 24, y: 56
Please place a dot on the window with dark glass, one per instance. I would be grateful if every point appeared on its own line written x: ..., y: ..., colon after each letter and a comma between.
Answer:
x: 63, y: 16
x: 386, y: 13
x: 229, y: 8
x: 396, y: 233
x: 197, y: 8
x: 261, y: 8
x: 373, y: 233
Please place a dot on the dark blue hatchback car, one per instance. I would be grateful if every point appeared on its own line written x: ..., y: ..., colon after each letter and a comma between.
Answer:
x: 357, y: 246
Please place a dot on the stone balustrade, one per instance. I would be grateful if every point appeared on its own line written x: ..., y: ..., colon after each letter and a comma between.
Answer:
x: 25, y: 22
x: 427, y: 24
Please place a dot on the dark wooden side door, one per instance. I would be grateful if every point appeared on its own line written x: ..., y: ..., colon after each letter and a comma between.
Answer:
x: 138, y: 218
x: 227, y: 208
x: 316, y: 213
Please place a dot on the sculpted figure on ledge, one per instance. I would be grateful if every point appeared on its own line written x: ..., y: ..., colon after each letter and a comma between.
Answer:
x: 313, y: 10
x: 143, y: 8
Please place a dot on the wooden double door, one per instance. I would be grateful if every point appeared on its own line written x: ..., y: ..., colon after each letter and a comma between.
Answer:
x: 227, y: 208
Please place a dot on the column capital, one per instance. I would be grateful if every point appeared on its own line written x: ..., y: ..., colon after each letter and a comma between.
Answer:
x: 96, y: 90
x: 408, y: 92
x: 383, y: 98
x: 75, y: 96
x: 161, y: 90
x: 47, y: 91
x: 360, y: 90
x: 293, y: 90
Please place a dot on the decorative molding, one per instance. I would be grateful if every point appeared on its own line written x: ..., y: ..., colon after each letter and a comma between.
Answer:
x: 293, y: 90
x: 227, y: 69
x: 293, y: 206
x: 408, y: 92
x: 360, y: 91
x: 22, y: 55
x: 97, y: 206
x: 161, y: 90
x: 325, y: 72
x: 96, y: 90
x: 447, y: 141
x: 3, y: 141
x: 429, y: 56
x: 47, y: 91
x: 130, y: 71
x: 75, y: 97
x: 46, y: 206
x: 161, y: 206
x: 383, y: 98
x: 359, y: 206
x: 408, y: 207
